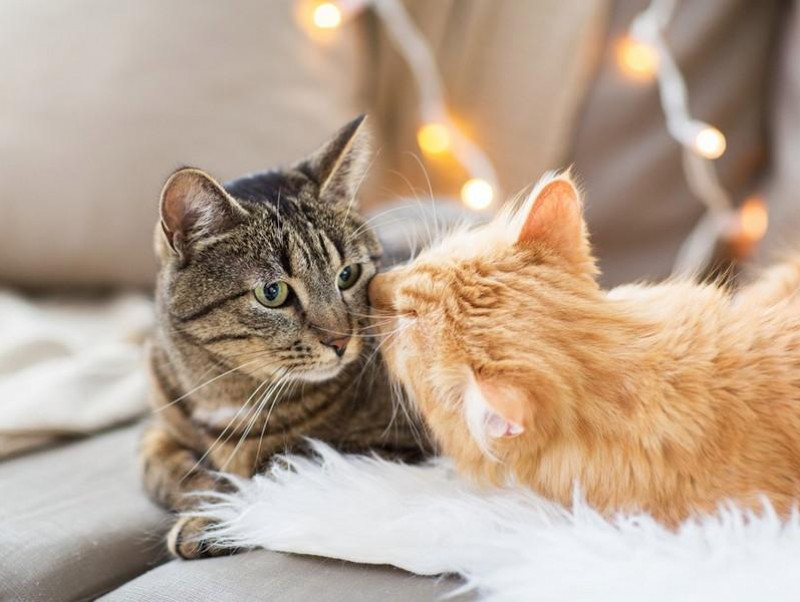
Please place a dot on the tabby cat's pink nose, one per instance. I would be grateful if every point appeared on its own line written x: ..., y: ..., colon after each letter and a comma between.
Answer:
x: 339, y: 345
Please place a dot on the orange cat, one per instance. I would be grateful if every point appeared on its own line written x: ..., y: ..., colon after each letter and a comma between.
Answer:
x: 667, y: 399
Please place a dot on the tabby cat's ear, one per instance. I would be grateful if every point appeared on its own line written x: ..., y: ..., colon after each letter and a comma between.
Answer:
x: 552, y: 216
x: 194, y: 206
x: 339, y: 165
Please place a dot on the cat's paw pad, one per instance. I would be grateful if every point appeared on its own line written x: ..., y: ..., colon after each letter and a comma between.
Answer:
x: 188, y: 539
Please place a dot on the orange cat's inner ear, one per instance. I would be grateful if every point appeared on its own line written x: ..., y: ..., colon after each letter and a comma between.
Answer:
x: 506, y: 401
x: 493, y: 410
x: 554, y: 219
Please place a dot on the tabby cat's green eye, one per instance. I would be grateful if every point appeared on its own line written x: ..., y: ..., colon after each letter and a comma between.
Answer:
x: 273, y: 294
x: 348, y: 276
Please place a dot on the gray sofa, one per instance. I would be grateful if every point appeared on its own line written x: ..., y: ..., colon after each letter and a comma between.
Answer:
x: 75, y: 525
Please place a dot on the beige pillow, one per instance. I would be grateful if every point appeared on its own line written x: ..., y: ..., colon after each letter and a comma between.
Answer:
x: 100, y: 100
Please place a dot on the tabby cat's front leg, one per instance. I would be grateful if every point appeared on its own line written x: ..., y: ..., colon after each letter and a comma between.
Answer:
x: 170, y: 471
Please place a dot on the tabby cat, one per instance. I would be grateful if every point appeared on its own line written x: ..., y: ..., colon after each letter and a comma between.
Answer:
x: 667, y: 399
x: 261, y: 338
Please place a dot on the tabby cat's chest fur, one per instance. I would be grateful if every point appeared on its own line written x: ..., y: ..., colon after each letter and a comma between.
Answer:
x: 238, y: 422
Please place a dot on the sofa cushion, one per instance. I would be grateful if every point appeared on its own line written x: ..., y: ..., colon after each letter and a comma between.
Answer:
x: 74, y: 521
x: 263, y: 575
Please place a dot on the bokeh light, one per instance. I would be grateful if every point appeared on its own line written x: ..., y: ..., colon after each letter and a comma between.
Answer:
x: 709, y: 142
x: 753, y: 219
x: 477, y: 194
x: 637, y: 60
x: 327, y: 16
x: 433, y: 138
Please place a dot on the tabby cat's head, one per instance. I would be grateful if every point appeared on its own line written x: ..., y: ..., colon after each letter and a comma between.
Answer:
x: 269, y: 272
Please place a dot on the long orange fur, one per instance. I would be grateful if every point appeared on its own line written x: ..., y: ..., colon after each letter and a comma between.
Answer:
x: 667, y: 399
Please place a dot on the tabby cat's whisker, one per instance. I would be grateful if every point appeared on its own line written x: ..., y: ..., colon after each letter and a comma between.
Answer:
x: 376, y: 217
x: 397, y: 395
x: 377, y: 313
x: 352, y: 334
x: 415, y: 196
x: 368, y: 223
x: 386, y: 335
x: 208, y: 382
x: 227, y: 427
x: 367, y: 361
x: 253, y: 415
x: 285, y: 390
x: 397, y: 220
x: 424, y: 171
x: 275, y: 400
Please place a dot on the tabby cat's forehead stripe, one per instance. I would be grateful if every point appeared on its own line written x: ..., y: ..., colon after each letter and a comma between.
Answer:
x: 305, y: 250
x: 207, y: 309
x: 323, y: 247
x: 219, y: 338
x: 286, y: 260
x: 339, y: 248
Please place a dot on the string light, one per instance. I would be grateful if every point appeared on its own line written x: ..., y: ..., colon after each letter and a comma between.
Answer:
x: 641, y: 55
x: 702, y: 143
x: 320, y: 19
x: 436, y: 134
x: 748, y: 227
x: 477, y: 194
x: 709, y: 142
x: 753, y: 219
x: 433, y: 138
x: 327, y: 16
x: 637, y: 60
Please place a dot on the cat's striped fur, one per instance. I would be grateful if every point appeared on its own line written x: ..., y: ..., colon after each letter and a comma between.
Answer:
x: 234, y: 382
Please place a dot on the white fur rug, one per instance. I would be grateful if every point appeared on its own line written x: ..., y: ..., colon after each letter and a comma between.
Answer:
x: 508, y: 545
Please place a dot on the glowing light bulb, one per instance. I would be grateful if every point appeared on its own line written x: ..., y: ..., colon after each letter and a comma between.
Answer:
x: 477, y: 194
x: 433, y: 138
x: 753, y: 219
x: 636, y: 59
x: 709, y: 142
x: 327, y: 16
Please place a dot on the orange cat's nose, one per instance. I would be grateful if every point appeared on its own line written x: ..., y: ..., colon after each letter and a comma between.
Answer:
x: 379, y: 292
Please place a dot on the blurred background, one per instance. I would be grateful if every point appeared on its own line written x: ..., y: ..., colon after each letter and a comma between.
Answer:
x: 102, y: 100
x: 681, y: 118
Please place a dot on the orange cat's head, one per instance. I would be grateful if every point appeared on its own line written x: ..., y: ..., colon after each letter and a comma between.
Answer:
x: 487, y: 330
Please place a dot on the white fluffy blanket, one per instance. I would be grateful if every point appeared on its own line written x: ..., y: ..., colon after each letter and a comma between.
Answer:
x: 508, y: 545
x: 69, y: 367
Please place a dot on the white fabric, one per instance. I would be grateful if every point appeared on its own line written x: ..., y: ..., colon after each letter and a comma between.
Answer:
x: 69, y: 368
x: 508, y: 544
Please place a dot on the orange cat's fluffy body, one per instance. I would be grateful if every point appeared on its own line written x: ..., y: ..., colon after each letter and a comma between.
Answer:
x: 667, y: 399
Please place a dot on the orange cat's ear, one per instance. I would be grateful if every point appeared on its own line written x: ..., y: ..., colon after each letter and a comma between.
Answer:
x: 552, y: 217
x: 493, y: 410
